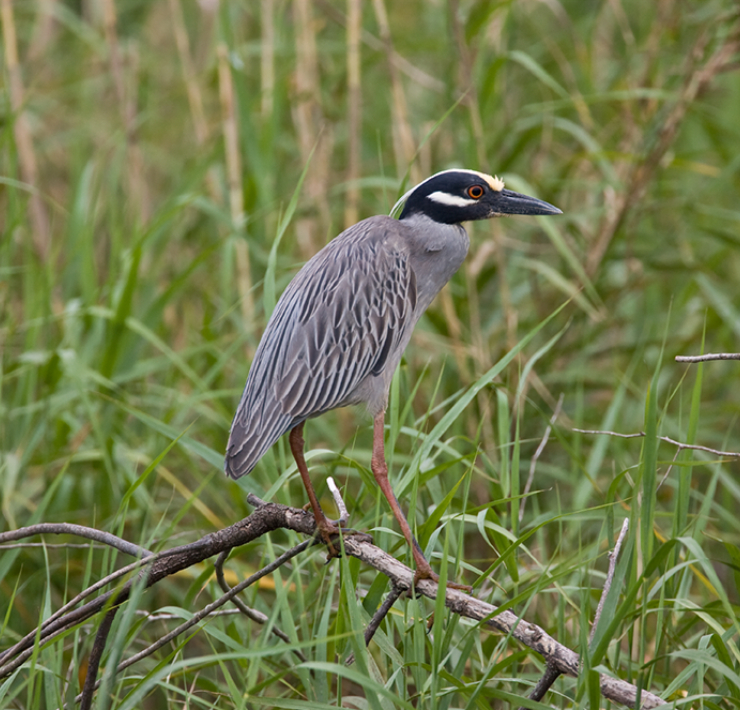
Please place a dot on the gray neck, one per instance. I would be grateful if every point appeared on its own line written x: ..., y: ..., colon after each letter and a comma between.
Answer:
x: 436, y: 252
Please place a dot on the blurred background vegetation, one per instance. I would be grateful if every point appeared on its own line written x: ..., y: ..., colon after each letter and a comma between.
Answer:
x: 153, y: 207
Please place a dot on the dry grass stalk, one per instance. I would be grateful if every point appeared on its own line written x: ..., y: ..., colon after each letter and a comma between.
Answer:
x: 417, y: 75
x: 195, y: 97
x: 354, y: 114
x: 698, y: 76
x: 312, y: 133
x: 234, y: 180
x: 43, y: 31
x: 28, y: 166
x: 137, y: 186
x: 465, y: 67
x: 403, y: 138
x: 267, y: 57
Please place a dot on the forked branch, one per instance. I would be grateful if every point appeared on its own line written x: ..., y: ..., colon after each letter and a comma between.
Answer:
x: 271, y: 516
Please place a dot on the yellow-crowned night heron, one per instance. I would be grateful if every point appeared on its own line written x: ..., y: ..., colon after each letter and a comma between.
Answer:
x: 338, y: 332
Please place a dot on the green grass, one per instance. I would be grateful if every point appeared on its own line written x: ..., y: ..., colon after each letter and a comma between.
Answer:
x: 128, y: 319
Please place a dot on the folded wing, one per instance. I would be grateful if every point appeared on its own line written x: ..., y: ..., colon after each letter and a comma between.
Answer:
x: 337, y: 324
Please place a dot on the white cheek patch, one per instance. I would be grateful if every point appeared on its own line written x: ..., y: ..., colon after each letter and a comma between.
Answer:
x: 445, y: 198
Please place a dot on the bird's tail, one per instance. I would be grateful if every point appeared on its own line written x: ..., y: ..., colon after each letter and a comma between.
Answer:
x: 250, y: 438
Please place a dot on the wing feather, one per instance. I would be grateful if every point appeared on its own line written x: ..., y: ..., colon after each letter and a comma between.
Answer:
x: 336, y: 324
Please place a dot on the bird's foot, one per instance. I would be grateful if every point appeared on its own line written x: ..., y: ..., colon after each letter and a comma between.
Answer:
x: 424, y: 571
x: 330, y: 531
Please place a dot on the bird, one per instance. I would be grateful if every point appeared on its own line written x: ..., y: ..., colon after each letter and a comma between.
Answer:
x: 337, y: 333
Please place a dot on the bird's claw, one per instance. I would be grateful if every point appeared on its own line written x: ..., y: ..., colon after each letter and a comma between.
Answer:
x: 428, y: 573
x: 332, y: 531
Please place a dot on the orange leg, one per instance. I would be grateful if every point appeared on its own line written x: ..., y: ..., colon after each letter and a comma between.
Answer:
x: 380, y: 471
x: 325, y: 527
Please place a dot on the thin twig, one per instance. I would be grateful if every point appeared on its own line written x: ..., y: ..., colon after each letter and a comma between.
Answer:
x: 86, y: 696
x: 80, y: 531
x: 52, y: 626
x: 550, y: 675
x: 378, y: 616
x: 210, y: 608
x: 164, y: 564
x: 613, y: 555
x: 53, y: 546
x: 382, y: 612
x: 255, y: 502
x: 667, y: 439
x: 338, y: 501
x: 55, y: 625
x: 250, y: 613
x: 538, y: 453
x: 167, y: 616
x: 670, y: 468
x: 707, y: 357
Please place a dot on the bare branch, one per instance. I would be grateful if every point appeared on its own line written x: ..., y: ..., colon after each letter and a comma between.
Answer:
x: 166, y: 563
x: 378, y: 617
x: 538, y: 453
x: 270, y: 517
x: 707, y: 357
x: 52, y: 546
x: 250, y: 613
x: 552, y: 672
x: 613, y: 555
x: 381, y: 613
x: 210, y: 608
x: 81, y: 531
x: 96, y: 654
x: 550, y: 675
x: 563, y: 659
x: 338, y: 501
x: 670, y: 468
x: 667, y: 439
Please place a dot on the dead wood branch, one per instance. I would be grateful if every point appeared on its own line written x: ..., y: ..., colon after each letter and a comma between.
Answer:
x: 78, y: 530
x: 552, y: 672
x: 538, y: 453
x: 707, y: 357
x: 250, y: 613
x: 271, y: 516
x: 613, y: 555
x: 563, y: 659
x: 667, y: 439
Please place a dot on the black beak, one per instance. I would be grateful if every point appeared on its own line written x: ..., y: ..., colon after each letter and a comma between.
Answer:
x: 508, y: 202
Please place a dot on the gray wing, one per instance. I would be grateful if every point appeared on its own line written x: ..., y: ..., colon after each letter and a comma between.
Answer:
x: 338, y: 322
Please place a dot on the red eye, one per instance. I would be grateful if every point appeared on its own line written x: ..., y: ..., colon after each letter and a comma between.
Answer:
x: 476, y: 192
